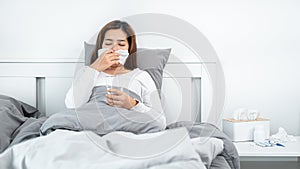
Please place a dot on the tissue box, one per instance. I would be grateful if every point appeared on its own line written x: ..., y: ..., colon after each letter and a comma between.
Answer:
x: 242, y: 130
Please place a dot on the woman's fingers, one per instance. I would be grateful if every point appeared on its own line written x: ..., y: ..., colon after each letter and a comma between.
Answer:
x: 114, y: 58
x: 118, y: 98
x: 113, y: 97
x: 106, y: 60
x: 114, y: 102
x: 115, y: 91
x: 108, y: 57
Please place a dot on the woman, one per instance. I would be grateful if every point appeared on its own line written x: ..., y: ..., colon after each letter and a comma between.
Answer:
x: 114, y: 37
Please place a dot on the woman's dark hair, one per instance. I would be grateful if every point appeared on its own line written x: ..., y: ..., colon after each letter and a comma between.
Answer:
x: 131, y: 62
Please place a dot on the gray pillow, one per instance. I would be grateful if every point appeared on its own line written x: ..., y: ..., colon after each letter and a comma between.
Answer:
x: 152, y: 61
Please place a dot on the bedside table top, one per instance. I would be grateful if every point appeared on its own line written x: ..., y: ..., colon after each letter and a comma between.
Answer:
x: 250, y: 149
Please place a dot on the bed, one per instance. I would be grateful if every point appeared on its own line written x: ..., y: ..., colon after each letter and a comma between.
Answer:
x: 189, y: 141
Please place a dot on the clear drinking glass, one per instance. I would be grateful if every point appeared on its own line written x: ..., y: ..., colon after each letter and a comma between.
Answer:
x: 113, y: 81
x: 110, y: 82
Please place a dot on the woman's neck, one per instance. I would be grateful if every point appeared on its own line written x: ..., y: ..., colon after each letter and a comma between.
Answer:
x: 116, y: 70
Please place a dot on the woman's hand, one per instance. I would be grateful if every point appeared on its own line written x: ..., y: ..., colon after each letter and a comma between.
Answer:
x: 106, y: 60
x: 120, y: 99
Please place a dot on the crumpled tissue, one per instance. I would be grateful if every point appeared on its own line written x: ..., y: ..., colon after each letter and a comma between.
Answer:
x: 282, y: 136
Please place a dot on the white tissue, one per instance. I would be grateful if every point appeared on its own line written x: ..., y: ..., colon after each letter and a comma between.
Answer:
x: 123, y: 54
x: 253, y: 114
x: 100, y: 51
x: 245, y: 114
x: 282, y: 136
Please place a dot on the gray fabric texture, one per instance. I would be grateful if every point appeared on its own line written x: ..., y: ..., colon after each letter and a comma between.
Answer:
x: 152, y: 61
x: 208, y: 148
x: 28, y: 130
x: 12, y: 114
x: 99, y: 117
x: 16, y: 128
x: 24, y: 108
x: 219, y: 162
x: 208, y: 130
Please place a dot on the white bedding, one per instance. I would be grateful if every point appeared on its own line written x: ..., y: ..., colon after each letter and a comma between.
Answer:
x: 207, y: 148
x: 69, y: 149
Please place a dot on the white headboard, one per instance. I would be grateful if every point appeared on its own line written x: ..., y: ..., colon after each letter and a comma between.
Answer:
x: 44, y: 83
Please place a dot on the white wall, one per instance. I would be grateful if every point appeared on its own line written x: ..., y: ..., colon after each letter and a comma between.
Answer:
x: 256, y: 41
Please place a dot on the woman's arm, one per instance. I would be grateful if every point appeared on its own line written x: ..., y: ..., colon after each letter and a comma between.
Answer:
x: 149, y: 95
x: 82, y: 87
x: 150, y: 102
x: 85, y: 79
x: 142, y: 85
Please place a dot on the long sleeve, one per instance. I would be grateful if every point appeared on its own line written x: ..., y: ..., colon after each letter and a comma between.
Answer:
x: 148, y: 92
x: 82, y: 86
x: 150, y: 100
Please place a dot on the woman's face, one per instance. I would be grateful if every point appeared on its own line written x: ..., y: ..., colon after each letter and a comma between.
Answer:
x: 115, y: 39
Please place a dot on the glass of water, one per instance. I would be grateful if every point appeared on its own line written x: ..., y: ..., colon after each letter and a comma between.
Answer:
x: 113, y: 81
x: 110, y: 82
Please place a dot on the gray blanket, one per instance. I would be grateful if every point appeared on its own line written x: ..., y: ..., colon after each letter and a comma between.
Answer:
x: 229, y: 153
x: 100, y: 118
x: 18, y: 122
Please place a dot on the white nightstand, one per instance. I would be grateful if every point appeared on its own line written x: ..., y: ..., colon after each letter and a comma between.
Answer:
x: 248, y: 151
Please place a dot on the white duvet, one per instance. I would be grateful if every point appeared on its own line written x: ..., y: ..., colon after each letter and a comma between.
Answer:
x: 116, y: 150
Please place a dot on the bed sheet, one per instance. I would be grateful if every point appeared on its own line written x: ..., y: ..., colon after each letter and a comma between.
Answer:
x: 69, y: 149
x: 220, y: 151
x: 170, y: 148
